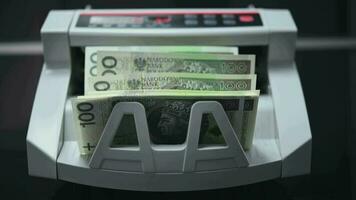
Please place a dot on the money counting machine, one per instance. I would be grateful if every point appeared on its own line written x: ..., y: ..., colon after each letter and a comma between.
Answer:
x: 282, y: 139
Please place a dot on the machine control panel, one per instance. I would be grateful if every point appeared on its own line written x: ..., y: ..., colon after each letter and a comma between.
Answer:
x: 169, y: 19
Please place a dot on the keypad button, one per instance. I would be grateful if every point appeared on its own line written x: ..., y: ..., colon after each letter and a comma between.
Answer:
x: 228, y: 16
x: 209, y: 16
x: 189, y: 16
x: 229, y: 22
x: 246, y: 18
x: 191, y: 22
x: 210, y: 22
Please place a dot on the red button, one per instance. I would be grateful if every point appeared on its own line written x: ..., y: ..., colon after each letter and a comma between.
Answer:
x: 162, y: 20
x: 246, y: 18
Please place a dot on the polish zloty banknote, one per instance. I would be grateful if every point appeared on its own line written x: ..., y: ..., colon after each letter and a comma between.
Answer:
x: 167, y: 115
x: 90, y: 70
x: 179, y: 81
x: 116, y: 63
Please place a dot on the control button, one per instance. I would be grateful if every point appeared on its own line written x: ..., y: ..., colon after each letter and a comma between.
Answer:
x: 228, y: 16
x: 209, y: 16
x: 162, y: 20
x: 191, y: 22
x: 189, y: 16
x: 210, y: 22
x: 246, y: 18
x: 229, y: 22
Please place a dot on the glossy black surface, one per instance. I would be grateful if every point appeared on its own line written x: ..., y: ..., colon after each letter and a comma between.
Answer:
x: 163, y: 20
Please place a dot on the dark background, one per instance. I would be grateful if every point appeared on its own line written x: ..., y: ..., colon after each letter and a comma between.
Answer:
x: 328, y: 80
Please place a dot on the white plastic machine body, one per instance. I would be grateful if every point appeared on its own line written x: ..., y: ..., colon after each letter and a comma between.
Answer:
x: 282, y: 142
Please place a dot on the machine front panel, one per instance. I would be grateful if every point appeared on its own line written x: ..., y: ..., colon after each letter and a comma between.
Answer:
x: 169, y: 19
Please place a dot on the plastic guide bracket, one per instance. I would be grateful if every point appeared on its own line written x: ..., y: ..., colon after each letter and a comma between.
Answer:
x: 143, y: 153
x: 233, y: 149
x: 191, y: 154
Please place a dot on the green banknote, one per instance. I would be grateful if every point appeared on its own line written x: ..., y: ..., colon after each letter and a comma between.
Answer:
x: 90, y: 70
x: 178, y: 81
x: 116, y: 63
x: 167, y: 116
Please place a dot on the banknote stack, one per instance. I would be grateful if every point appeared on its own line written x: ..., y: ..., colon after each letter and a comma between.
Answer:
x: 167, y: 81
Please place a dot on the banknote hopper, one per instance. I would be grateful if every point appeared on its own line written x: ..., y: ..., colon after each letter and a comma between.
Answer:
x: 282, y: 141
